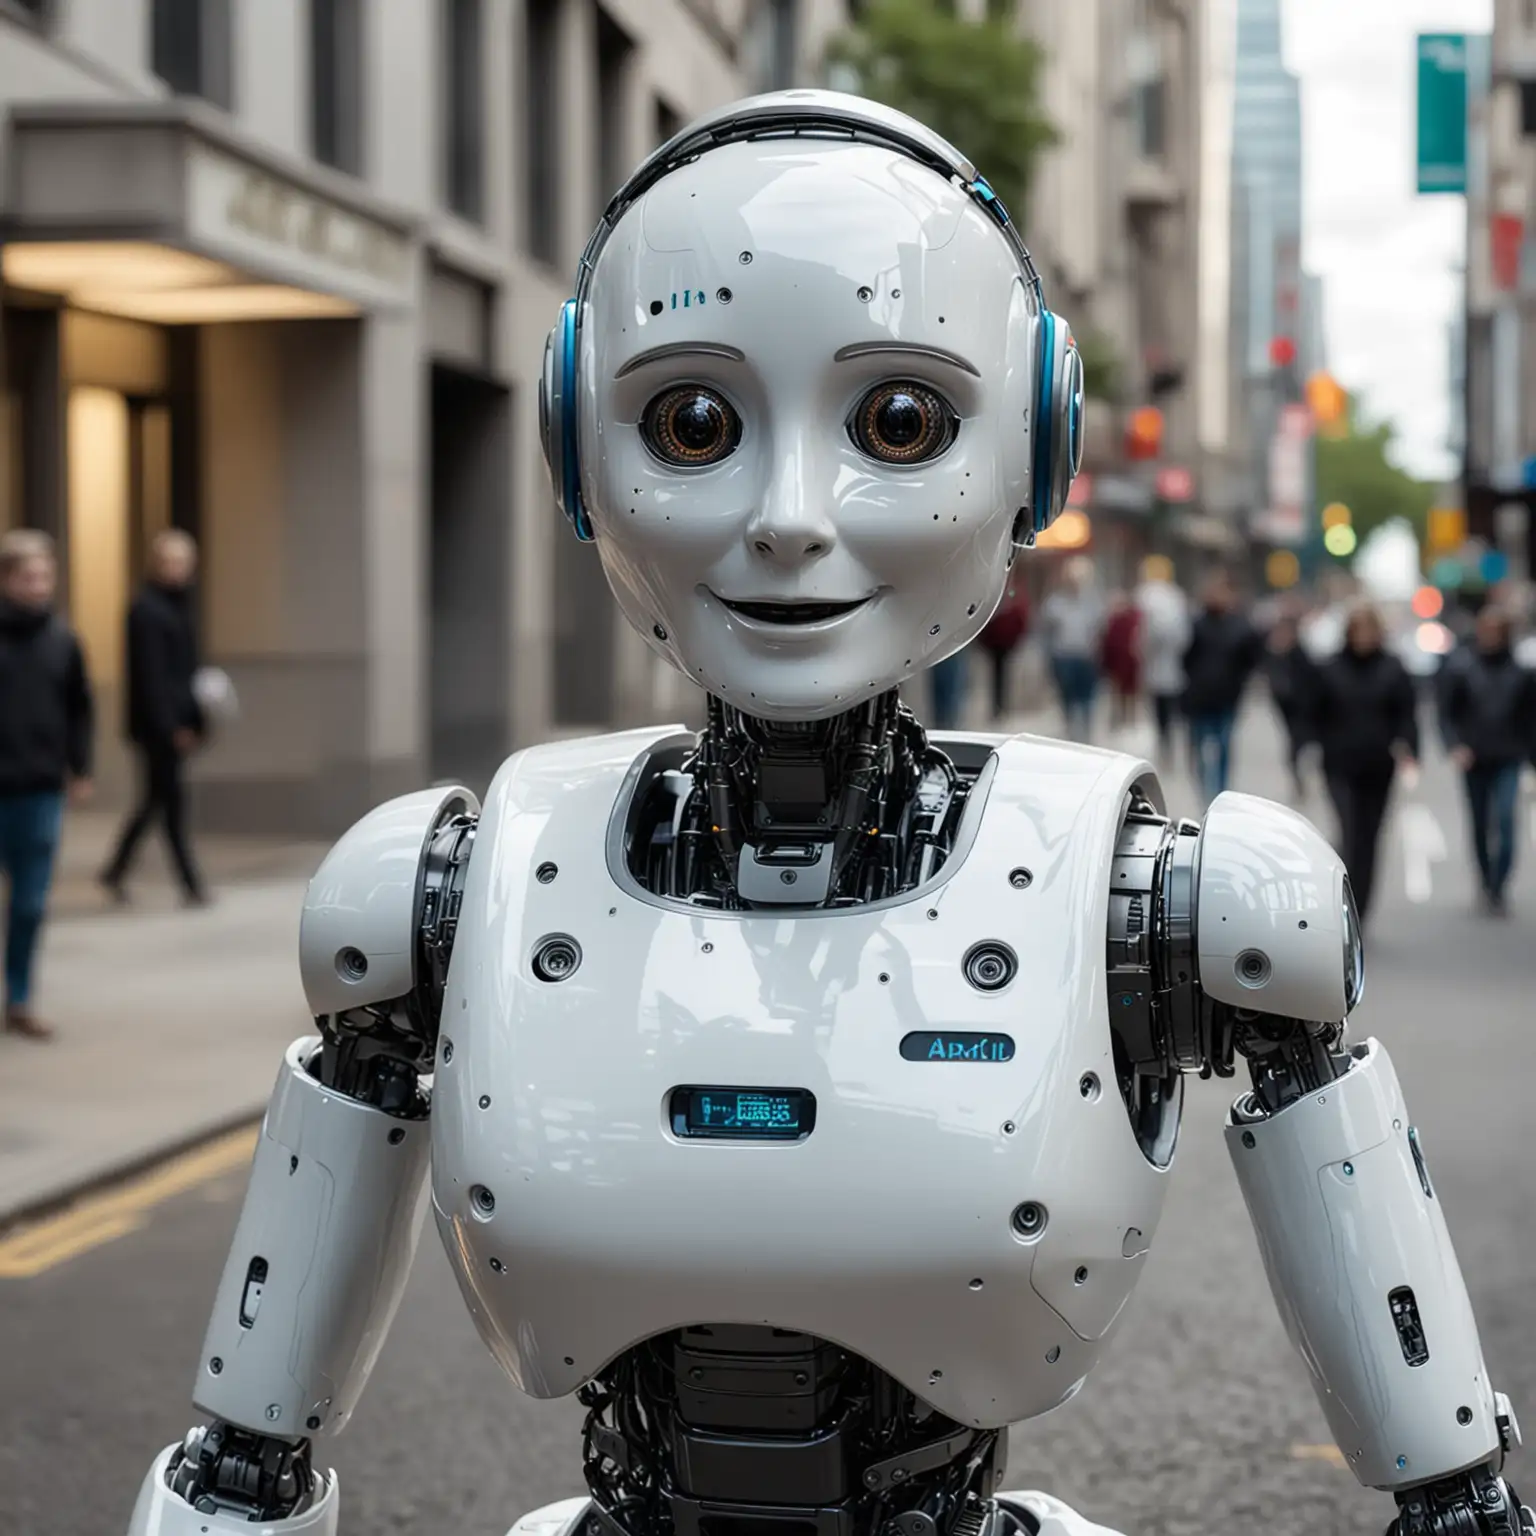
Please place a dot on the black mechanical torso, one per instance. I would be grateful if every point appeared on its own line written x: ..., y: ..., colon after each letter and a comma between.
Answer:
x: 825, y: 813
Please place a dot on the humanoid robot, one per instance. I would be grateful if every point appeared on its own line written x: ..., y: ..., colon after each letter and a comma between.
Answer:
x: 802, y: 1093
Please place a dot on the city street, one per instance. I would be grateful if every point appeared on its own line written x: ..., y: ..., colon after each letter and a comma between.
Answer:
x: 1200, y: 1419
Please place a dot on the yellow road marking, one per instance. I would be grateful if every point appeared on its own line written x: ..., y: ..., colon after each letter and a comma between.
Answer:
x: 103, y: 1218
x: 1329, y: 1453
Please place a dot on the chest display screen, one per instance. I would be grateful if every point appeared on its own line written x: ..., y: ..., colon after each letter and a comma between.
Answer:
x: 743, y: 1114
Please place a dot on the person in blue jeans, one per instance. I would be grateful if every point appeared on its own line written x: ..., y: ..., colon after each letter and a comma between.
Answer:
x: 1073, y: 620
x: 1488, y: 720
x: 45, y: 751
x: 949, y: 681
x: 1224, y: 651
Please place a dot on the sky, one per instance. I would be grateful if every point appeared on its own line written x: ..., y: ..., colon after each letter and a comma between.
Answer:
x: 1388, y: 257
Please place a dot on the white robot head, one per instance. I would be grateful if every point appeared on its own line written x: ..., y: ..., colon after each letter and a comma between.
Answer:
x: 808, y: 401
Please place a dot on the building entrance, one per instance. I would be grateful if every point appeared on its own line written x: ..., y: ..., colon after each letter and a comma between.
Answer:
x: 470, y: 639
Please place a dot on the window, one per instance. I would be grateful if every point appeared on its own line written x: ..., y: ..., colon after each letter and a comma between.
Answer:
x: 190, y: 48
x: 463, y: 109
x: 336, y: 82
x: 668, y: 123
x: 614, y: 52
x: 1152, y: 118
x: 541, y: 128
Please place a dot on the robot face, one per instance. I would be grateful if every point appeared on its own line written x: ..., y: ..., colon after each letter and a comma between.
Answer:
x: 807, y: 372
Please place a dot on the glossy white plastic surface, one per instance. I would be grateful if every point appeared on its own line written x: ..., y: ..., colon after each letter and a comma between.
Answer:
x: 363, y: 901
x: 1055, y: 1518
x: 1343, y: 1221
x: 1271, y: 887
x: 334, y: 1206
x: 159, y: 1512
x: 887, y: 1230
x: 1052, y: 1516
x: 791, y: 277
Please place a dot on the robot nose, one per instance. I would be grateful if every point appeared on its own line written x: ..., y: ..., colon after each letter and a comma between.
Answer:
x: 791, y: 527
x: 788, y: 547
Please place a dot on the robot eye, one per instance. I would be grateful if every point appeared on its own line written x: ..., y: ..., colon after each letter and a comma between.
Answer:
x: 903, y: 423
x: 690, y: 426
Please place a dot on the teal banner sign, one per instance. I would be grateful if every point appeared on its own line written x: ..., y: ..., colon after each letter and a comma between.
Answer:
x: 1442, y: 112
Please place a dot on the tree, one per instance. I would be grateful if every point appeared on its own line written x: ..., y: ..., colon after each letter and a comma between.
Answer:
x: 975, y: 82
x: 1101, y: 366
x: 1356, y: 468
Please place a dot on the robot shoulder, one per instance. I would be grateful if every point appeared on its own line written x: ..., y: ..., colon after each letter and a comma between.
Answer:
x: 380, y: 899
x: 1276, y: 931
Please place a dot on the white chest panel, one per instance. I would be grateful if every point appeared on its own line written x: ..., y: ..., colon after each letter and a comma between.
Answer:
x: 579, y: 1224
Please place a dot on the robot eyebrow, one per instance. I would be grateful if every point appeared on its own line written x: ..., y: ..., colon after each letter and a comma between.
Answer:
x: 904, y: 349
x: 681, y: 349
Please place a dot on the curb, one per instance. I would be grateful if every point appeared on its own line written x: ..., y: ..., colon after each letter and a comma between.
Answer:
x: 50, y: 1202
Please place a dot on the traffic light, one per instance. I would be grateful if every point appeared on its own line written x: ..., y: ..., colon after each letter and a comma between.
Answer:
x: 1328, y: 401
x: 1336, y: 515
x: 1282, y: 569
x: 1145, y: 438
x: 1447, y: 529
x: 1339, y: 540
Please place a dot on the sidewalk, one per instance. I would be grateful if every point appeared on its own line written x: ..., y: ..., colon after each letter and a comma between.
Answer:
x: 90, y: 836
x: 171, y: 1022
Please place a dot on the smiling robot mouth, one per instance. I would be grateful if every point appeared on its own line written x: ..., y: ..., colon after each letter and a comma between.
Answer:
x: 792, y: 613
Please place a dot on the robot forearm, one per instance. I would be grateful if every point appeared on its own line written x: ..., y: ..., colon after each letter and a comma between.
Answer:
x: 314, y: 1275
x: 1355, y: 1244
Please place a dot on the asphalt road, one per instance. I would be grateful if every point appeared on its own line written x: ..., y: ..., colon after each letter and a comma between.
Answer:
x: 1200, y: 1419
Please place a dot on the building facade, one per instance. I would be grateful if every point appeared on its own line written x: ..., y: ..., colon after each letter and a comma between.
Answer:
x: 1274, y: 301
x: 280, y: 272
x: 1497, y: 373
x: 1116, y: 223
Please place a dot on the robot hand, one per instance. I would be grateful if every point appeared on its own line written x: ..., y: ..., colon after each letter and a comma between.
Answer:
x: 1474, y: 1504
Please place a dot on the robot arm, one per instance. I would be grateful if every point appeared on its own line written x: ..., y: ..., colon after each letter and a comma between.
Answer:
x: 1246, y: 943
x: 337, y: 1188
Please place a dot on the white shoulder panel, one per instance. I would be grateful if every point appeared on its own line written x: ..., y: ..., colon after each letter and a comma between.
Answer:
x: 1274, y: 930
x: 357, y: 935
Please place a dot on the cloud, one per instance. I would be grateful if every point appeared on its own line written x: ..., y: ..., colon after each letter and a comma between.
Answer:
x: 1388, y: 257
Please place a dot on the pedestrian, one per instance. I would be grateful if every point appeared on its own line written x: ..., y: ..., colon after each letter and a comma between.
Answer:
x: 1488, y: 720
x: 1361, y: 710
x: 46, y: 728
x: 949, y: 679
x: 165, y: 721
x: 1073, y: 619
x: 1122, y: 658
x: 1164, y: 637
x: 1004, y: 633
x: 1223, y: 651
x: 1287, y: 668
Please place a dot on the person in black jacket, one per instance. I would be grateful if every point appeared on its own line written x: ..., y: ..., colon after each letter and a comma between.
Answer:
x: 1488, y: 719
x: 1360, y: 707
x: 165, y: 721
x: 1223, y: 651
x: 45, y: 749
x: 1288, y: 669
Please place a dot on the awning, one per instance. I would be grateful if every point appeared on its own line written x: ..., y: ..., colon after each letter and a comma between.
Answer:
x: 157, y: 211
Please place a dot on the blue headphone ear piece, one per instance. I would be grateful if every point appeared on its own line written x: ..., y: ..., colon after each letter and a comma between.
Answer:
x: 1058, y: 452
x: 558, y: 417
x: 1042, y: 488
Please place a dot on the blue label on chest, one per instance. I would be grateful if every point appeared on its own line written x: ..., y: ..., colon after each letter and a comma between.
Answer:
x: 956, y: 1045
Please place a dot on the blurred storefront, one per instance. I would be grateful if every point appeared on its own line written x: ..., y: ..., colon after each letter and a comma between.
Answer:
x: 281, y: 276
